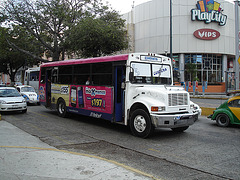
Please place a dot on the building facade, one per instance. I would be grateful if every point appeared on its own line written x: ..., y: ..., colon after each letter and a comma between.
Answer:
x: 203, y: 37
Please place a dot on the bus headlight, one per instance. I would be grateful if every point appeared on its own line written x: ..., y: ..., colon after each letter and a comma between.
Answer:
x: 158, y: 108
x: 192, y: 106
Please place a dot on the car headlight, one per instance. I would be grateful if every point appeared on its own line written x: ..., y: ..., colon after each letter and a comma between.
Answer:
x: 158, y: 108
x: 2, y: 102
x: 23, y: 100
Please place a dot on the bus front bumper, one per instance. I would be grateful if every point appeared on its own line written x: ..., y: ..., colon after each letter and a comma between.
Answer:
x: 174, y: 121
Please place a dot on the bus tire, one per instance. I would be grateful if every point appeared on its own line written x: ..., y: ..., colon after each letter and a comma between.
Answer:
x: 222, y: 120
x: 140, y: 124
x: 61, y: 108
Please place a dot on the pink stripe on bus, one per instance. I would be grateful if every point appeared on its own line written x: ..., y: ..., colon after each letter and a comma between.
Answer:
x: 85, y: 61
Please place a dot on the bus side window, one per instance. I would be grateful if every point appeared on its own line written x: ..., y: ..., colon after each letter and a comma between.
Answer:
x: 65, y: 74
x: 102, y: 74
x: 80, y: 73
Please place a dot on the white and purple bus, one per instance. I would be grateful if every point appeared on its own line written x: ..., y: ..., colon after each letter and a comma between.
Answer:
x: 134, y: 89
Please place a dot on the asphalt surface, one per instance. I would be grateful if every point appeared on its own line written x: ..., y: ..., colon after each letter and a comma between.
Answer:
x: 23, y: 157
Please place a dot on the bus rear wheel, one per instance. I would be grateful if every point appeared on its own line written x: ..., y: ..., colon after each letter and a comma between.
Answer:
x: 61, y: 108
x: 140, y: 124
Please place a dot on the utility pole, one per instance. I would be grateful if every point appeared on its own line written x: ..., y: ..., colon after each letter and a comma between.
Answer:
x: 237, y: 3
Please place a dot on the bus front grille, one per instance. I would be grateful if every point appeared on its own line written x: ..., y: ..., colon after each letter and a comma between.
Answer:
x: 177, y: 99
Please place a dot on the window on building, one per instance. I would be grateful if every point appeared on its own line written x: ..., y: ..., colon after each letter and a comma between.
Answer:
x: 208, y: 67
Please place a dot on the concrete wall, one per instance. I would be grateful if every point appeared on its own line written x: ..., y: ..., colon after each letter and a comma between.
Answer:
x: 152, y: 23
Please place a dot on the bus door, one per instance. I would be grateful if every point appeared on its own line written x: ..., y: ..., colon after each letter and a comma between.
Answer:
x: 118, y: 93
x: 48, y: 87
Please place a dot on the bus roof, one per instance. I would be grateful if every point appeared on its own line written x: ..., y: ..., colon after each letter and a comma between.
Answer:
x: 88, y: 60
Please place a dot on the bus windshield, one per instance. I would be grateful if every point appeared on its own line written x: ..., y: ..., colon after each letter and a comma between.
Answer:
x: 146, y: 73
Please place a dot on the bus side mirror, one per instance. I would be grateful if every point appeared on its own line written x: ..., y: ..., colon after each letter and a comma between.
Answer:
x: 131, y: 76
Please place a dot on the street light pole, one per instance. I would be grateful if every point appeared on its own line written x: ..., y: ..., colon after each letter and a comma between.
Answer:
x: 171, y: 55
x: 237, y: 3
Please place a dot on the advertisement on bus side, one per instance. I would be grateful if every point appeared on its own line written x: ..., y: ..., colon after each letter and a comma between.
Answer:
x: 93, y: 98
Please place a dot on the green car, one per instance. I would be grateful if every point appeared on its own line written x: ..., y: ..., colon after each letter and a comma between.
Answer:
x: 228, y: 112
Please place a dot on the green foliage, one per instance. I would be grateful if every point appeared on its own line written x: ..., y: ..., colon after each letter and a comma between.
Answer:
x: 191, y: 68
x: 54, y: 25
x: 94, y: 37
x: 11, y: 59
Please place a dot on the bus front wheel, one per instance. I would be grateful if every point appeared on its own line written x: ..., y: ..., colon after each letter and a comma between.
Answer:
x: 140, y: 124
x: 61, y: 108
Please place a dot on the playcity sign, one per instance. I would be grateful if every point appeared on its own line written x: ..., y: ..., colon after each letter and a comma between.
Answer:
x: 209, y: 11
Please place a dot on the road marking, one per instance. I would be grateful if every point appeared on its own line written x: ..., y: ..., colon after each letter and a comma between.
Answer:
x: 87, y: 155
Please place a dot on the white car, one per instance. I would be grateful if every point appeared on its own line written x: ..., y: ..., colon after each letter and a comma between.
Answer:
x: 11, y: 100
x: 28, y: 92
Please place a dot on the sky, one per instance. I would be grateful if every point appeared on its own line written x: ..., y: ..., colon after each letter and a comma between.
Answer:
x: 124, y: 6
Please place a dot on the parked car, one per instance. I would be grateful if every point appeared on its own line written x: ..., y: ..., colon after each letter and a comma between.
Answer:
x: 29, y: 93
x: 11, y: 100
x: 228, y: 112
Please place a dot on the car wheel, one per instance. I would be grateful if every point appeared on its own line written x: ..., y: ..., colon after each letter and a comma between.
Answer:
x: 180, y: 129
x: 140, y: 124
x: 61, y: 108
x: 24, y: 111
x: 222, y: 120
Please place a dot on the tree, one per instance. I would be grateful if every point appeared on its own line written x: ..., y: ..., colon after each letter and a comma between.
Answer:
x: 12, y: 60
x: 50, y: 22
x: 94, y: 37
x: 191, y: 68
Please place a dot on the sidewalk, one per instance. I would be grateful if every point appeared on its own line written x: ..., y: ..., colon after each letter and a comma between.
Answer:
x: 24, y: 157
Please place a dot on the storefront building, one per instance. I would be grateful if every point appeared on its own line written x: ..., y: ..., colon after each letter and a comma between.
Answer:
x: 203, y: 37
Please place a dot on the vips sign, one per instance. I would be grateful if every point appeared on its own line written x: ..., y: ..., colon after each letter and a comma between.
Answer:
x: 206, y: 34
x: 209, y: 11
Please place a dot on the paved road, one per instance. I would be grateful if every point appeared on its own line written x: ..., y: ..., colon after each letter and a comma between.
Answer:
x: 204, y: 151
x: 211, y: 103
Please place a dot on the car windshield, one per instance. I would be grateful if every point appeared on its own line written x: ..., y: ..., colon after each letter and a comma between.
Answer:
x: 27, y: 89
x: 151, y: 73
x: 9, y: 93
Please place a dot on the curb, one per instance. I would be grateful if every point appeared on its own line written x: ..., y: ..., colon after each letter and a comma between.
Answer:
x: 202, y: 97
x: 206, y: 111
